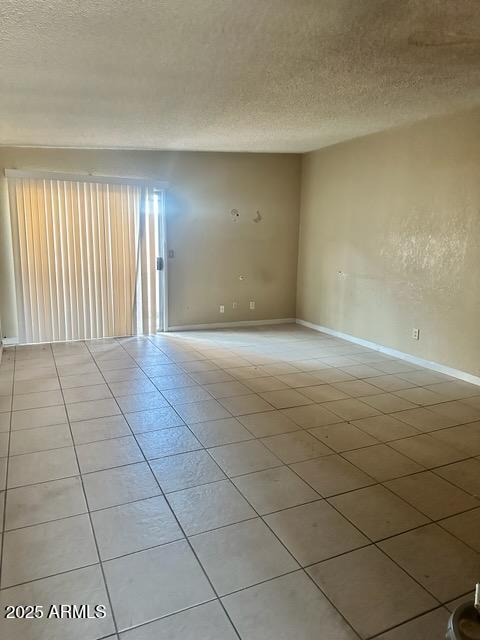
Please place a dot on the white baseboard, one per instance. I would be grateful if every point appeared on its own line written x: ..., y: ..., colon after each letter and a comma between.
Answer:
x: 428, y: 364
x: 234, y: 323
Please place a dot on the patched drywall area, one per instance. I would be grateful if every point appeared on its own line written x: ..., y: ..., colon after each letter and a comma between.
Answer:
x: 390, y: 239
x: 217, y: 260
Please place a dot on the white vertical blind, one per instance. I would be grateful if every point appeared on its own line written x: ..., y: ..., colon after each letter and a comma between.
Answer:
x: 85, y: 258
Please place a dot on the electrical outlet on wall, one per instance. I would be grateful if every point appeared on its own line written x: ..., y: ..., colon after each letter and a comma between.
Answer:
x: 416, y: 334
x: 222, y: 308
x: 252, y: 304
x: 234, y: 305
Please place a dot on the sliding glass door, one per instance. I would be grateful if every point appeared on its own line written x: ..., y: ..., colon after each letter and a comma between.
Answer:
x: 87, y: 257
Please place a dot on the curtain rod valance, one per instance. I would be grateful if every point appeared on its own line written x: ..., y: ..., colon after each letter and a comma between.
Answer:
x: 74, y: 177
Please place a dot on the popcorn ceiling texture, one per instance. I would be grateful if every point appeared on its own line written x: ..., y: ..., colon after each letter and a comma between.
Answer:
x: 230, y: 75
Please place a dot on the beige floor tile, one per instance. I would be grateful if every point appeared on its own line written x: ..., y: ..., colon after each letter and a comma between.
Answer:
x: 167, y: 442
x: 453, y: 604
x: 351, y: 409
x: 241, y: 555
x: 227, y: 389
x: 274, y: 489
x: 284, y: 608
x: 134, y: 526
x: 465, y: 474
x: 43, y: 417
x: 432, y: 495
x: 3, y: 473
x: 377, y: 593
x: 278, y: 369
x: 155, y: 583
x: 43, y: 502
x: 37, y: 399
x: 333, y: 376
x: 385, y: 428
x: 202, y: 411
x: 323, y: 393
x: 190, y: 366
x: 173, y: 381
x: 388, y: 402
x: 5, y: 422
x: 80, y: 586
x: 473, y: 401
x: 395, y: 366
x: 269, y: 383
x: 209, y: 506
x: 142, y: 401
x: 246, y: 404
x: 211, y: 377
x: 206, y: 621
x: 357, y: 388
x: 457, y: 410
x: 377, y: 512
x: 313, y: 415
x: 153, y: 419
x: 123, y: 374
x: 218, y: 432
x: 382, y: 462
x: 268, y: 423
x: 390, y: 383
x: 45, y: 549
x: 332, y: 475
x: 419, y: 395
x: 186, y: 470
x: 310, y: 364
x: 246, y: 373
x: 186, y: 395
x: 92, y: 409
x: 41, y: 466
x: 298, y: 379
x: 284, y: 398
x: 343, y: 437
x: 465, y: 526
x: 427, y: 451
x: 465, y: 437
x: 244, y: 457
x: 4, y: 439
x: 424, y: 377
x: 81, y: 380
x: 424, y: 419
x: 457, y: 390
x: 362, y: 371
x: 97, y: 429
x: 315, y: 531
x: 119, y: 485
x: 104, y: 454
x: 296, y: 446
x: 40, y: 439
x: 430, y: 626
x: 34, y: 386
x: 127, y: 387
x: 441, y: 563
x: 84, y: 394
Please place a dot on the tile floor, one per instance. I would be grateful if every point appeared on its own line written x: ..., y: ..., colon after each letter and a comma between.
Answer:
x: 265, y: 484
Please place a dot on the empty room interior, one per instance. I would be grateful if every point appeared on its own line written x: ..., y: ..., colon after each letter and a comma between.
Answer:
x: 240, y: 320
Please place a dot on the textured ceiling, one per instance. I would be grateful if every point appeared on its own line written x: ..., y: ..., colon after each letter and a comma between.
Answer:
x: 230, y: 75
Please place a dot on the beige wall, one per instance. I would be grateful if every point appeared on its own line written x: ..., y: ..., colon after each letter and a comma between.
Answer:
x: 211, y: 251
x: 398, y: 214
